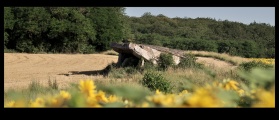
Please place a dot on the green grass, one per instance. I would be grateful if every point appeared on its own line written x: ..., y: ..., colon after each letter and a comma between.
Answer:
x: 33, y: 90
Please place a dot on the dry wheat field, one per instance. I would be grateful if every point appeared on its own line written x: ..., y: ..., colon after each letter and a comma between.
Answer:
x: 21, y: 68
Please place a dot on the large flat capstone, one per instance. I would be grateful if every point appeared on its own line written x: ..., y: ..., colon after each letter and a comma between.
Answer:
x: 143, y: 52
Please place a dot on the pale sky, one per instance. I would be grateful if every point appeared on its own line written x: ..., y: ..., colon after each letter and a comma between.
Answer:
x: 244, y: 15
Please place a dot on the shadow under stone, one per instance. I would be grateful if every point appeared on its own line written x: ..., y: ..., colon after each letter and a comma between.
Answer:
x: 103, y: 72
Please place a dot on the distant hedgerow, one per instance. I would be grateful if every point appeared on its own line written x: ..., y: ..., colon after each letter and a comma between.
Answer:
x: 247, y: 66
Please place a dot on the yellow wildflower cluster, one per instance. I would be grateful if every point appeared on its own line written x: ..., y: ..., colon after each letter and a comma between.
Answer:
x: 165, y: 100
x: 268, y: 61
x: 93, y: 97
x: 204, y: 97
x: 229, y: 84
x: 207, y: 96
x: 59, y: 100
x: 265, y: 98
x: 87, y: 88
x: 16, y: 103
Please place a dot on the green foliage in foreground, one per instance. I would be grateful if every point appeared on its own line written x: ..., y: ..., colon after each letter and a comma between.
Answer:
x: 259, y: 92
x: 33, y: 90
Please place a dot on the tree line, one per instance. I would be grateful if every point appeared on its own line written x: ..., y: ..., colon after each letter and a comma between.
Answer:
x: 207, y: 34
x: 90, y: 29
x: 62, y: 29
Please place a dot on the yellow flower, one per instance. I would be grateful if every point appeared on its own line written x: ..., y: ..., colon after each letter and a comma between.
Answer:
x: 56, y: 102
x: 240, y: 92
x: 183, y: 93
x: 231, y: 85
x: 266, y: 98
x: 234, y: 84
x: 112, y: 98
x: 161, y: 99
x: 215, y: 84
x: 158, y: 92
x: 100, y: 96
x: 169, y: 101
x: 39, y: 102
x: 87, y: 87
x: 10, y: 104
x: 268, y: 61
x: 92, y: 102
x: 65, y: 95
x: 203, y: 98
x: 18, y: 103
x: 144, y: 105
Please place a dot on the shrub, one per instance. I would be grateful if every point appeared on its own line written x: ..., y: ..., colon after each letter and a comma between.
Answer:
x: 155, y: 81
x: 165, y: 61
x: 189, y: 61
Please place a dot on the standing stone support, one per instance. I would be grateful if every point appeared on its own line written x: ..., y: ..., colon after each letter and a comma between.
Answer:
x: 142, y: 63
x: 120, y: 59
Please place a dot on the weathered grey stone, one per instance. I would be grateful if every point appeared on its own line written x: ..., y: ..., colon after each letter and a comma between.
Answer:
x: 147, y: 52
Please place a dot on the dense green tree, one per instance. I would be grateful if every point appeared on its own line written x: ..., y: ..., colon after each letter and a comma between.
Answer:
x: 109, y: 26
x: 64, y: 29
x: 71, y: 31
x: 30, y: 25
x: 8, y: 24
